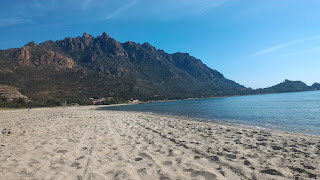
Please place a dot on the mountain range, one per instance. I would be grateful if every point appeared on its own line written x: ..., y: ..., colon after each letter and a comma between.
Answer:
x: 76, y: 69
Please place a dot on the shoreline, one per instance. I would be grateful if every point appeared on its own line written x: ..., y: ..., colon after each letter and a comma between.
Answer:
x: 209, y: 121
x: 188, y: 99
x: 214, y: 121
x: 87, y: 142
x: 221, y: 122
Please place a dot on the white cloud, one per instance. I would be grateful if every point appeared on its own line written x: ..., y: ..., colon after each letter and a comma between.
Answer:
x: 280, y: 46
x: 120, y: 10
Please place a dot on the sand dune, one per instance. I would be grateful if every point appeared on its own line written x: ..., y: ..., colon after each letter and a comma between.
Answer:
x: 87, y: 143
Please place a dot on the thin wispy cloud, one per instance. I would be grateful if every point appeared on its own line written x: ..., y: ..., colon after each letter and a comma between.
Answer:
x: 26, y: 12
x: 167, y: 10
x: 5, y: 22
x: 201, y: 6
x: 85, y: 5
x: 315, y: 49
x: 281, y: 46
x: 120, y: 10
x: 205, y: 5
x: 273, y: 48
x: 38, y: 5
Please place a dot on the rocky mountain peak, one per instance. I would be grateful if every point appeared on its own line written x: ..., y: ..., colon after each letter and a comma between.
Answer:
x: 87, y: 39
x: 86, y: 36
x: 131, y: 46
x: 104, y: 36
x: 31, y: 44
x: 148, y: 46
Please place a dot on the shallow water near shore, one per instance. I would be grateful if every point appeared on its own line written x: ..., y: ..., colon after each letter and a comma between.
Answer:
x: 297, y: 112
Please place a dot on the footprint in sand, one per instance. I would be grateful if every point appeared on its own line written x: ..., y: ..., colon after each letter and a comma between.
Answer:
x: 33, y: 162
x: 207, y: 175
x: 81, y: 157
x: 178, y: 160
x: 74, y: 164
x: 166, y: 163
x: 138, y: 159
x: 142, y: 171
x: 62, y: 151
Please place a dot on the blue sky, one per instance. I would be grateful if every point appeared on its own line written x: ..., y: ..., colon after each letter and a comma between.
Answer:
x: 256, y: 43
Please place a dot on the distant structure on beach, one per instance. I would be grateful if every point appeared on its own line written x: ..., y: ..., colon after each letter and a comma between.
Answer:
x: 134, y: 101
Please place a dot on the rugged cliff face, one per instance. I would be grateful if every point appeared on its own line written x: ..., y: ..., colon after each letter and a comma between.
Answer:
x: 88, y: 66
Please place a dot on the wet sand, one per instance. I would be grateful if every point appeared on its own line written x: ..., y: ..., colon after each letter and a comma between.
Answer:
x: 87, y: 143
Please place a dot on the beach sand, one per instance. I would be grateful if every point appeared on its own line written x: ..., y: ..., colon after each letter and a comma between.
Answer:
x: 87, y: 143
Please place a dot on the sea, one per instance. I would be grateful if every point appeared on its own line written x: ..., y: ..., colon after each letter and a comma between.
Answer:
x: 297, y: 112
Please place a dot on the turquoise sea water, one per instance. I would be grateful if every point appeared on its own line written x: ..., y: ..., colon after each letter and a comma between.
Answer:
x: 295, y: 112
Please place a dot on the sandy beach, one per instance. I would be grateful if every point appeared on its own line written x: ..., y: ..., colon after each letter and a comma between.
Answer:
x: 88, y: 143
